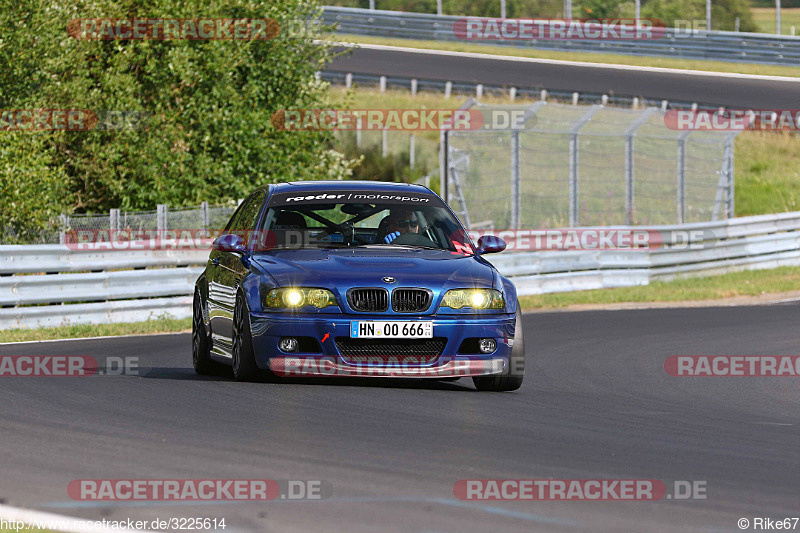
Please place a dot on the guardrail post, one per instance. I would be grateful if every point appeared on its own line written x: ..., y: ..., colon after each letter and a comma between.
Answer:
x: 411, y: 150
x: 479, y: 91
x: 161, y: 217
x: 543, y: 95
x: 384, y: 142
x: 515, y: 180
x: 348, y: 80
x: 512, y: 93
x: 205, y: 214
x: 382, y: 83
x: 414, y: 87
x: 448, y: 89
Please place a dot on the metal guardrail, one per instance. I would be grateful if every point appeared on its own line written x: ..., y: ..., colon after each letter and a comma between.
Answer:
x: 522, y: 93
x: 54, y: 285
x: 689, y: 44
x: 90, y: 286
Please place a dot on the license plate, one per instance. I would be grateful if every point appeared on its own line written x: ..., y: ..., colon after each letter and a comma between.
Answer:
x: 390, y: 330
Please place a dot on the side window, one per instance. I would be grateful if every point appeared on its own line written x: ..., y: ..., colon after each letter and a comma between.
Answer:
x: 250, y: 210
x: 234, y: 219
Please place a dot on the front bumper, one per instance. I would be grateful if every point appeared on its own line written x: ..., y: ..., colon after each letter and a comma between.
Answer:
x: 326, y: 360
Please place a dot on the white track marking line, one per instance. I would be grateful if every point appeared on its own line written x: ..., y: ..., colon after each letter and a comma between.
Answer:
x: 613, y: 66
x: 94, y: 338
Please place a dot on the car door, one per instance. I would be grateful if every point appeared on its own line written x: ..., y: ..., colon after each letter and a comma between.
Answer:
x: 218, y: 292
x: 231, y: 269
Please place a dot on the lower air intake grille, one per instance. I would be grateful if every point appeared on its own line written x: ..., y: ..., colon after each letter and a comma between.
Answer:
x: 368, y: 300
x: 367, y: 350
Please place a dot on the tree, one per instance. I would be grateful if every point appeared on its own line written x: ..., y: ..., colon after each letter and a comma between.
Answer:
x: 206, y: 132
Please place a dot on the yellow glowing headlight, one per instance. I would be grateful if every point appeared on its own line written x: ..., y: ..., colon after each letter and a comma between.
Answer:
x: 294, y: 297
x: 474, y: 298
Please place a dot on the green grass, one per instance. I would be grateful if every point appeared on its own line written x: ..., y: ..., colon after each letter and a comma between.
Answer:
x: 161, y: 325
x: 747, y: 283
x: 767, y: 172
x: 765, y: 18
x: 665, y: 62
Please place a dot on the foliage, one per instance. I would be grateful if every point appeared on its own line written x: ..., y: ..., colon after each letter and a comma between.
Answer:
x: 207, y: 107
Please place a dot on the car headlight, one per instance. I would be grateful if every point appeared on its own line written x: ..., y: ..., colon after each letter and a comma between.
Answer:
x: 294, y: 297
x: 474, y: 298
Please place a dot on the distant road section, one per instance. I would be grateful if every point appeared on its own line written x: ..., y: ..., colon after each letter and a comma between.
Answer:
x: 730, y: 90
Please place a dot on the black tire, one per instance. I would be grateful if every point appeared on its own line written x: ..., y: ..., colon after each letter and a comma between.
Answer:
x: 512, y: 380
x: 201, y: 345
x: 244, y: 360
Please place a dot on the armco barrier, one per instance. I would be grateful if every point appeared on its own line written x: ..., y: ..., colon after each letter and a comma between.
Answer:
x: 690, y: 44
x: 51, y: 285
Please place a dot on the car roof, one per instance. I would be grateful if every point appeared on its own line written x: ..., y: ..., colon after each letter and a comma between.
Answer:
x: 338, y: 185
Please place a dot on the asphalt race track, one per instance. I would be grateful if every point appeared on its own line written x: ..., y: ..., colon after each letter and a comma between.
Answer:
x: 740, y: 92
x: 596, y: 404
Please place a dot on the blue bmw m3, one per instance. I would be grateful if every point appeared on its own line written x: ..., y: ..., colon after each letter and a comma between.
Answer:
x: 355, y: 278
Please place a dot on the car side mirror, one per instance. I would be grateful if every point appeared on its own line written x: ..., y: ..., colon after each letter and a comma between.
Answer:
x: 489, y: 244
x: 230, y: 242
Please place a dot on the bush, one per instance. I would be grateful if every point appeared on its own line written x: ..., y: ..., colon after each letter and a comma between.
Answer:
x: 208, y: 105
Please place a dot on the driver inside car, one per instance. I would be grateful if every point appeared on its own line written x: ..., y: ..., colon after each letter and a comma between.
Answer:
x: 401, y: 222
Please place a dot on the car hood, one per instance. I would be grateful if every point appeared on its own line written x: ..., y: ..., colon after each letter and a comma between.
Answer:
x: 365, y: 267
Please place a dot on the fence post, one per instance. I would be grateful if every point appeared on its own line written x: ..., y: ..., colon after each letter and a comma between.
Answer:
x: 682, y: 176
x: 161, y: 217
x: 574, y: 217
x: 205, y: 215
x: 62, y: 231
x: 443, y: 164
x: 114, y: 220
x: 629, y: 174
x: 729, y: 162
x: 515, y: 181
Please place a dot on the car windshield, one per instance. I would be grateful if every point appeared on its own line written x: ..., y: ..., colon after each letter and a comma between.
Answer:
x: 322, y: 224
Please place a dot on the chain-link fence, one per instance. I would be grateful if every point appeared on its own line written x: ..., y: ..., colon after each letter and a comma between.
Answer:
x: 576, y: 165
x: 203, y: 217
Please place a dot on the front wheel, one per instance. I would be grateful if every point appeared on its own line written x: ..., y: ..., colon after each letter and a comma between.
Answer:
x: 244, y: 360
x: 511, y: 380
x: 201, y: 347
